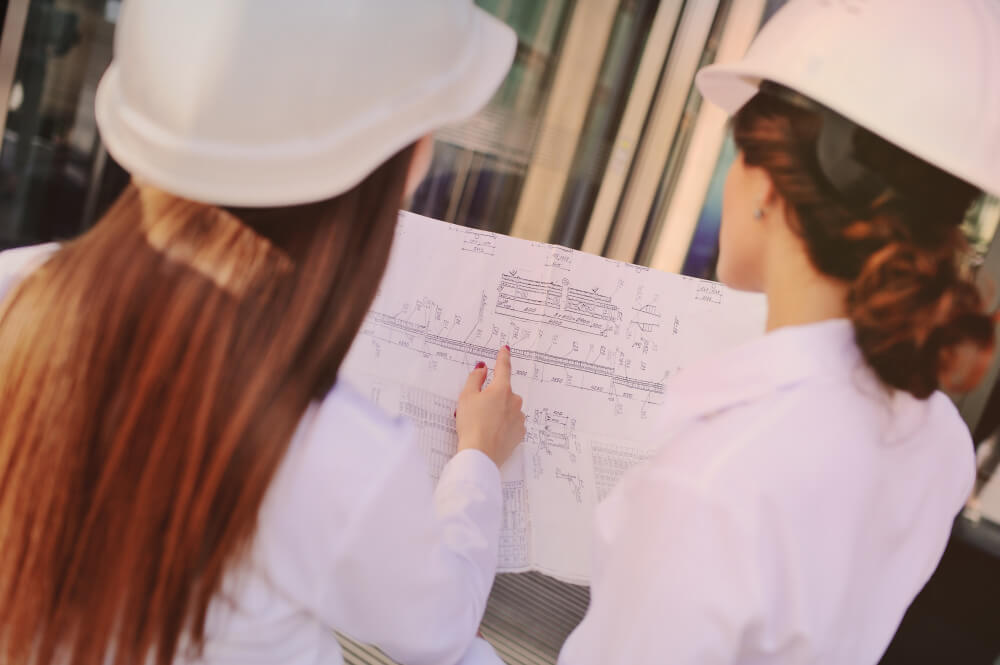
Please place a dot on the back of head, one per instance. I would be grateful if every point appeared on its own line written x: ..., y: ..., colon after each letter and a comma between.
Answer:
x: 899, y: 247
x: 878, y: 146
x: 153, y: 372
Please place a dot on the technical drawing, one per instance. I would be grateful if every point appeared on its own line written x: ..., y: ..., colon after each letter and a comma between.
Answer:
x: 427, y: 340
x: 561, y: 258
x: 574, y: 481
x: 611, y: 461
x: 556, y: 304
x: 526, y: 299
x: 479, y: 242
x: 434, y: 420
x: 515, y: 530
x: 709, y: 292
x: 551, y: 433
x: 649, y: 310
x: 554, y: 429
x: 644, y: 326
x: 592, y: 341
x: 646, y: 305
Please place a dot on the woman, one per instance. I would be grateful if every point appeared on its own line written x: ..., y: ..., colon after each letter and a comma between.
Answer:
x: 183, y: 478
x: 809, y: 479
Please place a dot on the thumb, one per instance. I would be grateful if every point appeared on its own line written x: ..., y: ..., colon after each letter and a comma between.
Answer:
x: 476, y: 379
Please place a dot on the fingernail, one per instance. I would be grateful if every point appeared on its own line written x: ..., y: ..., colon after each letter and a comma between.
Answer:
x: 455, y: 414
x: 480, y: 365
x: 507, y: 347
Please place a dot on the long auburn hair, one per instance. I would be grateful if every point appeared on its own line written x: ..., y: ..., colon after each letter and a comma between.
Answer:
x: 152, y: 375
x: 919, y: 319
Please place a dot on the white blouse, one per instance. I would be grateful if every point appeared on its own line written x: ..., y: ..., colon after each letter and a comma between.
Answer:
x: 353, y: 537
x: 795, y: 510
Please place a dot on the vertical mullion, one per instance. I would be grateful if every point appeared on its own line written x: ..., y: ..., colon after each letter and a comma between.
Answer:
x: 575, y: 78
x: 699, y: 161
x: 664, y: 122
x: 10, y: 50
x: 630, y: 129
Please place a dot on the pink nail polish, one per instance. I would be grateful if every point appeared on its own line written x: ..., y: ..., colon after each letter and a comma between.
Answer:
x: 480, y: 365
x: 455, y: 414
x: 507, y: 346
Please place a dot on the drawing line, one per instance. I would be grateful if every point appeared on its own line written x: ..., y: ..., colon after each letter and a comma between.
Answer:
x: 524, y: 354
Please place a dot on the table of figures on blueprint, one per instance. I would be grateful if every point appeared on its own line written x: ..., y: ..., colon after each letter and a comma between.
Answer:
x: 593, y: 344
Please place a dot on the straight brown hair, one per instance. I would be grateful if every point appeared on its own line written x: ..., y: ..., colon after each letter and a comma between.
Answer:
x: 152, y: 375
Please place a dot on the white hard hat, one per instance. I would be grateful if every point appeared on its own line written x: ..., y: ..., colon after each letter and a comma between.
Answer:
x: 269, y: 103
x: 922, y: 74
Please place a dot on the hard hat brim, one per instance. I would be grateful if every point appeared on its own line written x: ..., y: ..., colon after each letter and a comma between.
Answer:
x: 310, y: 171
x: 727, y: 86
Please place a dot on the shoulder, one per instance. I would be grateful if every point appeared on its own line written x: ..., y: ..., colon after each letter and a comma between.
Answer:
x: 846, y: 438
x: 775, y: 431
x: 344, y: 454
x: 16, y: 264
x: 342, y: 457
x: 20, y: 258
x: 344, y: 409
x: 340, y: 462
x: 946, y: 430
x: 346, y: 431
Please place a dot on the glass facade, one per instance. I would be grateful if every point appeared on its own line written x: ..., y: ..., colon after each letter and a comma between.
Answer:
x: 51, y: 161
x: 479, y: 167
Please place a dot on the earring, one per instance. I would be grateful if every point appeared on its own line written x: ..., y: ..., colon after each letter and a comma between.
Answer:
x: 758, y: 213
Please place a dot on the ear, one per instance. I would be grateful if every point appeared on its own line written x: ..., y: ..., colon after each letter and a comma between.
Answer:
x: 767, y: 197
x: 771, y: 198
x: 419, y: 165
x: 764, y: 192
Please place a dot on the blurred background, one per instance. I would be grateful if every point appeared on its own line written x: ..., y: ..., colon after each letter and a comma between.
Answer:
x: 597, y: 141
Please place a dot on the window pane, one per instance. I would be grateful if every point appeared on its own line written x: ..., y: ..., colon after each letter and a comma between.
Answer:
x: 50, y: 144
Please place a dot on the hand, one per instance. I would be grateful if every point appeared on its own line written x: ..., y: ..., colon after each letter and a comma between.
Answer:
x: 490, y: 420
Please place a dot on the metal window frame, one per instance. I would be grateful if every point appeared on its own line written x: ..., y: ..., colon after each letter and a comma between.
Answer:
x: 972, y: 405
x: 10, y: 51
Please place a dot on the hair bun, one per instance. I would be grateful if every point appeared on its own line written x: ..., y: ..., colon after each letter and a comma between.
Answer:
x: 919, y: 323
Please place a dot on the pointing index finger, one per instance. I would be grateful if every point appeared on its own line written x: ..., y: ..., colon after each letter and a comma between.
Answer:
x: 501, y: 373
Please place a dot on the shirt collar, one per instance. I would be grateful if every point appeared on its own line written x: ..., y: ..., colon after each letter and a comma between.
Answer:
x: 780, y: 359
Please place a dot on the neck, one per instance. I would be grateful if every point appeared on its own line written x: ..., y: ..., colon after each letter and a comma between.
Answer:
x: 797, y: 294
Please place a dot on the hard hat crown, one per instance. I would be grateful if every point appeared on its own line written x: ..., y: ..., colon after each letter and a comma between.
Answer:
x: 922, y: 75
x: 256, y: 102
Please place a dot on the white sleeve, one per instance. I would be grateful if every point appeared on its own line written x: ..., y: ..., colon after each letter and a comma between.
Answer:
x: 413, y: 573
x: 16, y: 264
x: 481, y: 653
x: 673, y: 580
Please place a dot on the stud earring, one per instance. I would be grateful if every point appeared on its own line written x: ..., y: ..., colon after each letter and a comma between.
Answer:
x: 758, y: 213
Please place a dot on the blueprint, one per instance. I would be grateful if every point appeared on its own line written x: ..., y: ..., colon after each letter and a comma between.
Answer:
x: 593, y: 345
